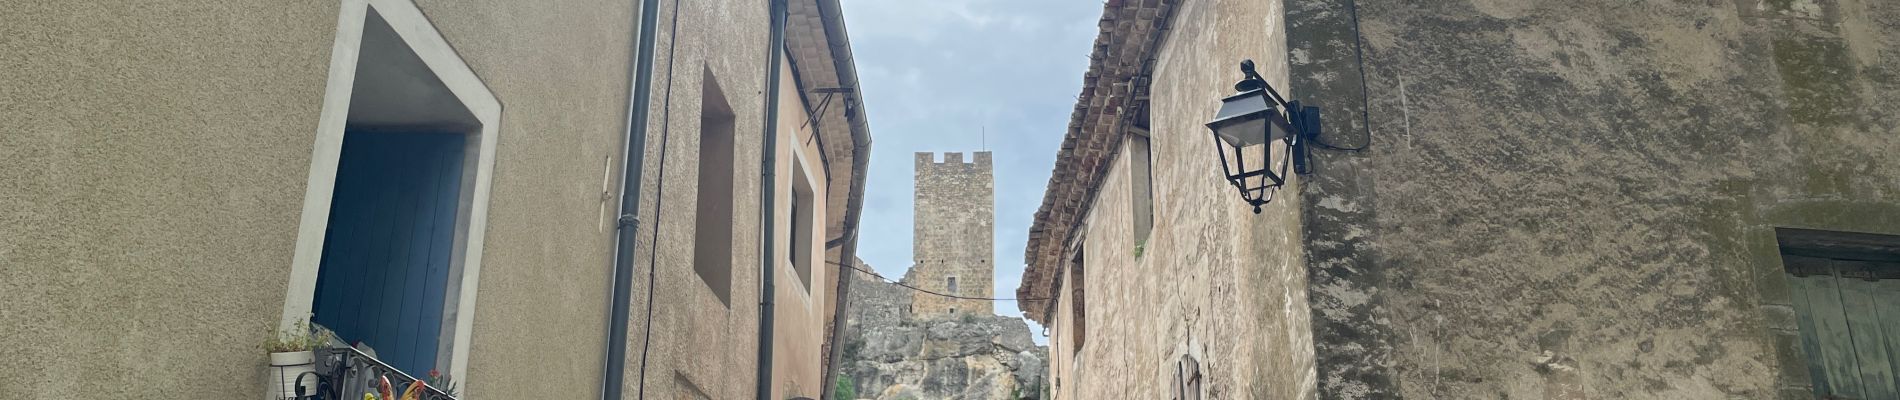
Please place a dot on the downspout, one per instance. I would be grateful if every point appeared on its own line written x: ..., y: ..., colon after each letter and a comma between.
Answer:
x: 860, y: 158
x: 638, y: 98
x: 768, y: 193
x: 836, y: 37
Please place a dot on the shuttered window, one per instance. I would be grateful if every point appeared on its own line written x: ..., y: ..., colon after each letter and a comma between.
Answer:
x: 1850, y: 324
x: 1187, y: 379
x: 388, y: 249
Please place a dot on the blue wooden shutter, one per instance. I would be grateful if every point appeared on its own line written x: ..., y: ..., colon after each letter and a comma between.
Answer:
x: 391, y: 235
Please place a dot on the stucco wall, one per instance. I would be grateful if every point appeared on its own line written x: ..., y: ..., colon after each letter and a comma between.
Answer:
x: 155, y: 167
x: 1214, y: 280
x: 1576, y: 200
x: 152, y: 173
x: 801, y: 314
x: 560, y: 71
x: 699, y: 344
x: 151, y: 170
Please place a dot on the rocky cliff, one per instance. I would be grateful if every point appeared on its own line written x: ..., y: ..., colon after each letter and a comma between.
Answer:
x: 891, y: 354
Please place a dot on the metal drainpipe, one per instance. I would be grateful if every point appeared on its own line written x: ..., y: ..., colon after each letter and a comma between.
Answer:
x: 833, y: 17
x: 639, y: 96
x: 768, y: 188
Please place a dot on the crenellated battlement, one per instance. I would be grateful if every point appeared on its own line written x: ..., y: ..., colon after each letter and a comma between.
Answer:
x: 952, y: 161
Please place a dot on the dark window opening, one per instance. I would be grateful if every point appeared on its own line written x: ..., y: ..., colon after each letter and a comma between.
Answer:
x: 712, y: 244
x: 803, y: 222
x: 1078, y: 325
x: 1141, y: 188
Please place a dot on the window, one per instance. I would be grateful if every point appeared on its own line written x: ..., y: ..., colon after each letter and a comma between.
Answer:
x: 1843, y: 286
x: 950, y: 284
x: 1078, y: 324
x: 803, y: 223
x: 1141, y: 187
x: 1187, y: 379
x: 712, y: 237
x: 389, y: 247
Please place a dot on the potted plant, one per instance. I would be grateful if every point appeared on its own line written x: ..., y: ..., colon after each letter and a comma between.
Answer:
x: 291, y: 356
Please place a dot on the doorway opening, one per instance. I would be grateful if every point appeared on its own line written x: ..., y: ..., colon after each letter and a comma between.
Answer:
x: 389, y: 245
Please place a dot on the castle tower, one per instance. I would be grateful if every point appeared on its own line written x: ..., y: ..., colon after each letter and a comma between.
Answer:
x: 954, y: 235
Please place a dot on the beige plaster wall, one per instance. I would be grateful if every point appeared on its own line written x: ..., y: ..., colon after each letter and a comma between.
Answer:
x: 1214, y: 279
x: 800, y: 314
x: 701, y: 347
x: 155, y: 165
x: 560, y: 71
x: 151, y: 170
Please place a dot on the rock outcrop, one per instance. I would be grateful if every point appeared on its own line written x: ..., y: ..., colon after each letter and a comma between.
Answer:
x: 890, y: 354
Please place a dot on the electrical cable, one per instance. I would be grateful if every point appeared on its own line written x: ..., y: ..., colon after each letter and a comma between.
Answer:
x: 666, y: 133
x: 888, y: 280
x: 1365, y: 95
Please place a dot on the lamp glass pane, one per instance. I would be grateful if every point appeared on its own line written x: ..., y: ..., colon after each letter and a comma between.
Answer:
x: 1241, y: 121
x: 1243, y: 133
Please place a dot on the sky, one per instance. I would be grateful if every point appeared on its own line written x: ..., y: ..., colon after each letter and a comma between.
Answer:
x: 960, y: 76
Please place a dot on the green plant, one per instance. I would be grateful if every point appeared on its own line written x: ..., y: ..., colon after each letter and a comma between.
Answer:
x: 969, y: 318
x: 300, y: 337
x: 442, y: 382
x: 847, y: 389
x: 1139, y: 246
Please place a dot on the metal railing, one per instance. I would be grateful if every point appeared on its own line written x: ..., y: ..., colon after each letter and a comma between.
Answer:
x: 344, y: 373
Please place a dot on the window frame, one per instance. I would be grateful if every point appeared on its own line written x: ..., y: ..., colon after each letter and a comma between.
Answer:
x: 427, y: 44
x: 803, y: 236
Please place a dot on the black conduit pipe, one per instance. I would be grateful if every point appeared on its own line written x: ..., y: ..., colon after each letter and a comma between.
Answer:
x: 659, y: 198
x: 639, y: 95
x: 767, y: 193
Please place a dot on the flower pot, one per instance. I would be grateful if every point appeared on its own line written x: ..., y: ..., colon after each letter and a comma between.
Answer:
x: 280, y: 382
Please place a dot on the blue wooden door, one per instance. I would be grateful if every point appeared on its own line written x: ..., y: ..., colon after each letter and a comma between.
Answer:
x: 387, y: 252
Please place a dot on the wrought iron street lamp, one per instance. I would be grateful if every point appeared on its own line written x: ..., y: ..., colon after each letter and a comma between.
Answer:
x: 1247, y: 125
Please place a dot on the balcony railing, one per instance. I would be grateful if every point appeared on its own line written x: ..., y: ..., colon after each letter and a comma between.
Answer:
x: 344, y: 373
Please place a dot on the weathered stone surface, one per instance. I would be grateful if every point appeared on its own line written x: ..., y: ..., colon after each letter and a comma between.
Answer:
x: 1578, y: 199
x: 893, y: 354
x: 1211, y: 281
x: 954, y: 234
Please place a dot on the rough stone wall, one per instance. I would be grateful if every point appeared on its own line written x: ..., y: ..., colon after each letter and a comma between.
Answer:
x: 1214, y: 280
x: 1576, y: 200
x: 890, y: 354
x: 954, y: 233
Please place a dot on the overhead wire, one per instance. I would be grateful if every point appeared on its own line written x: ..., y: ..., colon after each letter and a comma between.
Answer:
x: 908, y: 286
x: 666, y: 134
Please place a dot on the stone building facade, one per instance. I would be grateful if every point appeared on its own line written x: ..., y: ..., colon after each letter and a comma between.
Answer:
x: 169, y: 173
x: 954, y: 235
x: 1561, y: 200
x: 1208, y: 282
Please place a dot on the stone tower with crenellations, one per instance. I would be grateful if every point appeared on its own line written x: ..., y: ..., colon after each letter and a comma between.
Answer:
x: 954, y: 236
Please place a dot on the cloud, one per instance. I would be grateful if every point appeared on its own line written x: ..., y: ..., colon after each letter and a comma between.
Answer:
x: 963, y: 75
